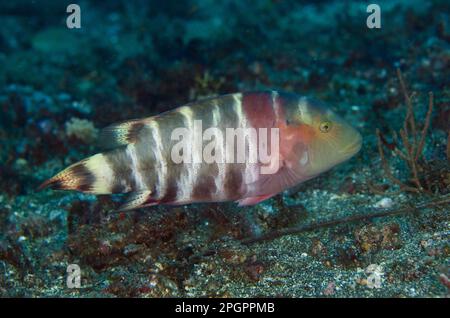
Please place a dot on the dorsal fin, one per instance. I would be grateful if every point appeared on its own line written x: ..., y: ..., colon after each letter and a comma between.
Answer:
x: 121, y: 134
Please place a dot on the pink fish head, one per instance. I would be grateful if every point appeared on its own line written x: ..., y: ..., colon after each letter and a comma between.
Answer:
x: 324, y: 138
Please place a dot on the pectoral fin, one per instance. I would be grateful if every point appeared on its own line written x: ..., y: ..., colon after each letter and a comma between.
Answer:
x: 275, y: 183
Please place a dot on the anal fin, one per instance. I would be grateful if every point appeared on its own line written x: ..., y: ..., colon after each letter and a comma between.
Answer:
x: 138, y: 200
x: 254, y: 200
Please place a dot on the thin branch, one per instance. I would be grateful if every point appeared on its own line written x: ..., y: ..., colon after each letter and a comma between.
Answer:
x: 401, y: 154
x: 409, y: 113
x: 377, y: 189
x: 407, y: 145
x: 412, y: 145
x: 387, y: 169
x: 353, y: 218
x: 425, y: 127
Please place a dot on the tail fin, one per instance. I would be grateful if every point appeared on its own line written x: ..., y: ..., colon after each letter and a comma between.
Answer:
x: 96, y: 174
x: 91, y: 175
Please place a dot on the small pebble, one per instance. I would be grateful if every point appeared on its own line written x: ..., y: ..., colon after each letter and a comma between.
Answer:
x: 384, y: 203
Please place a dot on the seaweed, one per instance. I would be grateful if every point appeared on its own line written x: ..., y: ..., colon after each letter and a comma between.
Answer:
x: 426, y: 175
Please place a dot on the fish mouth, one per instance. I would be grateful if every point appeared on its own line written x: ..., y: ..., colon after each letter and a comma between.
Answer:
x: 353, y: 147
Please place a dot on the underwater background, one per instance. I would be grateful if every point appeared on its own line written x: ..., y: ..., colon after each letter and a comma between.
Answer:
x: 131, y: 59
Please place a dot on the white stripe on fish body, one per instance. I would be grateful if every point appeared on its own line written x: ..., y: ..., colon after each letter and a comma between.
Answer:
x: 216, y: 115
x: 275, y: 105
x: 221, y: 166
x: 131, y: 153
x: 184, y: 187
x: 191, y: 172
x: 184, y: 182
x: 226, y: 169
x: 304, y: 111
x: 191, y: 124
x: 237, y: 107
x: 188, y: 116
x: 240, y: 123
x: 105, y: 179
x: 161, y: 161
x: 250, y: 170
x: 251, y: 173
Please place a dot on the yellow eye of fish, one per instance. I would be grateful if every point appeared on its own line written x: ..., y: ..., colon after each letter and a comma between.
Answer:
x: 325, y: 126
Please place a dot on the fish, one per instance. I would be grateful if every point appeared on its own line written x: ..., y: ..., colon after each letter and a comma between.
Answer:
x: 306, y: 139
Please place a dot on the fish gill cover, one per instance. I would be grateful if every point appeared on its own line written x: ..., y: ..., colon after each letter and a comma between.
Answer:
x: 376, y: 225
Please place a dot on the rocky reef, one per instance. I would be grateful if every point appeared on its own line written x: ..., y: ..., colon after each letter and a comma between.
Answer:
x: 132, y: 59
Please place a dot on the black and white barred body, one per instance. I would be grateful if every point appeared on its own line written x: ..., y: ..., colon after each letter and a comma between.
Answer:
x: 139, y: 161
x: 145, y: 165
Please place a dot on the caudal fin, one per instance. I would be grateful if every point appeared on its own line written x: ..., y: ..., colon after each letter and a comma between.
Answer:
x: 97, y: 174
x: 92, y: 175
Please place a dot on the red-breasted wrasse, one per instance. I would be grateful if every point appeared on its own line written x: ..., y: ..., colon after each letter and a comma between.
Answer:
x: 142, y: 156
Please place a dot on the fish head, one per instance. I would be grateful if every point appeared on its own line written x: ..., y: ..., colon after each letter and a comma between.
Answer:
x: 326, y: 139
